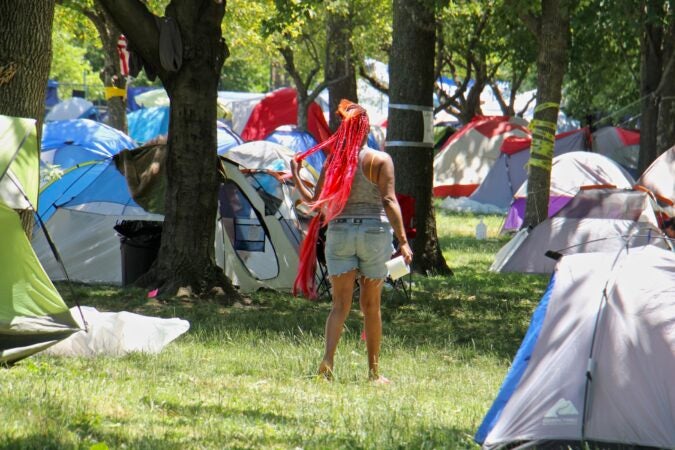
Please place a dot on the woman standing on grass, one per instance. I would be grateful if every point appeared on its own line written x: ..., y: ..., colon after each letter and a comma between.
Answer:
x: 355, y: 197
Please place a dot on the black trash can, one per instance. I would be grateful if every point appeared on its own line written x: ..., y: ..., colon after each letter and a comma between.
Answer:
x: 139, y: 245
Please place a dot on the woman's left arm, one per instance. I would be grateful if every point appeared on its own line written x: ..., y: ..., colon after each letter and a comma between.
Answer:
x: 306, y: 195
x: 385, y: 180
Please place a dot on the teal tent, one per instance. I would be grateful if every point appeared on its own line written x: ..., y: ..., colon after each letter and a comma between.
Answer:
x: 33, y: 315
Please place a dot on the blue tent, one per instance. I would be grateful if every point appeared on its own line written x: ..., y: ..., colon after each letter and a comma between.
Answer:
x: 148, y: 123
x: 69, y: 142
x: 298, y: 141
x: 52, y: 95
x: 517, y: 367
x: 132, y: 92
x: 95, y: 183
x: 226, y: 138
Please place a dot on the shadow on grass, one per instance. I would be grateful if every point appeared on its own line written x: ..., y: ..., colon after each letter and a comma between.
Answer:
x: 485, y: 311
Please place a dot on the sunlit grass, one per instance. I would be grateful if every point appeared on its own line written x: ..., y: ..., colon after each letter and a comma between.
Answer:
x: 243, y: 376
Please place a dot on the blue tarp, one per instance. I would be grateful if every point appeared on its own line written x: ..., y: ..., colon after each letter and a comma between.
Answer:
x: 518, y: 367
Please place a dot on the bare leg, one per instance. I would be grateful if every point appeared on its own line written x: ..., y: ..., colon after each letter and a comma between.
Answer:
x: 343, y: 288
x: 369, y: 299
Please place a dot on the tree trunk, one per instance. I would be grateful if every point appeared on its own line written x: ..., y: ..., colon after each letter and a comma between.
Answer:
x: 411, y: 81
x: 112, y: 74
x: 650, y: 75
x: 303, y: 107
x: 339, y: 64
x: 554, y: 29
x: 25, y: 58
x: 186, y: 261
x: 666, y: 122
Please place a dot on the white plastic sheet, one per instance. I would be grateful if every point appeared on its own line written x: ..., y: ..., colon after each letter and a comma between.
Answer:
x: 118, y: 333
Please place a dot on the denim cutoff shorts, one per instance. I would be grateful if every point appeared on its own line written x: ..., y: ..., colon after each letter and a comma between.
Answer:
x: 363, y: 244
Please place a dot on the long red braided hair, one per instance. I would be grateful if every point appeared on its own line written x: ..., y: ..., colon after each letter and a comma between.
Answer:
x: 339, y: 170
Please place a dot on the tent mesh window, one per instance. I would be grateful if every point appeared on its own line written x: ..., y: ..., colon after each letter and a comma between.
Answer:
x: 247, y: 232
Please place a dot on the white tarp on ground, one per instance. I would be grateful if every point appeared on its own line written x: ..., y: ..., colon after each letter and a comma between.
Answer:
x: 118, y: 333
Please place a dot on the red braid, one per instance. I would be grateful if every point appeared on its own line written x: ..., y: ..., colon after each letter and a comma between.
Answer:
x: 339, y: 170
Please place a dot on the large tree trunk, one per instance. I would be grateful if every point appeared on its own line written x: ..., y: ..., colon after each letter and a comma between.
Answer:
x: 25, y: 58
x: 650, y: 75
x: 411, y: 80
x: 186, y: 261
x: 554, y: 29
x: 339, y: 63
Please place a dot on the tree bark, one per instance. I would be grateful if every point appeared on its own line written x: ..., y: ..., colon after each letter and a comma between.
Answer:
x: 666, y: 121
x: 650, y: 75
x: 339, y: 64
x: 411, y: 80
x: 112, y: 72
x: 554, y: 30
x: 25, y: 58
x: 186, y: 260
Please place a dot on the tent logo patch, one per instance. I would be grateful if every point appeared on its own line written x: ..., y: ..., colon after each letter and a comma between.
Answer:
x: 562, y: 413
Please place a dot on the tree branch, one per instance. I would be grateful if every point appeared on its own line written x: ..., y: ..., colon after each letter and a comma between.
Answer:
x: 373, y: 81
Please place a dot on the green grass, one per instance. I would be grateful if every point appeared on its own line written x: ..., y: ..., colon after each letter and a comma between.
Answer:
x: 243, y: 376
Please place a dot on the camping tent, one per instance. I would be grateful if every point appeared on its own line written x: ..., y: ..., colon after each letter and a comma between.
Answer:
x: 79, y: 211
x: 594, y: 220
x: 258, y: 232
x: 569, y: 173
x: 298, y: 141
x: 510, y: 170
x: 278, y: 108
x: 72, y: 108
x: 467, y: 156
x: 33, y: 315
x: 66, y: 143
x: 226, y: 138
x: 148, y: 123
x: 620, y: 145
x: 597, y: 362
x: 659, y: 178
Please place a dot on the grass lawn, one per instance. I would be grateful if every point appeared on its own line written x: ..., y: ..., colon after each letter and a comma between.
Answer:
x: 243, y: 376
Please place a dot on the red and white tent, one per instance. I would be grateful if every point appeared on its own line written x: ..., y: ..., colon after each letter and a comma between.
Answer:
x: 279, y: 108
x: 466, y: 158
x: 619, y: 144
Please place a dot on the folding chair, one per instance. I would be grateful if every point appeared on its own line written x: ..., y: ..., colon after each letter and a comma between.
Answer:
x: 407, y: 204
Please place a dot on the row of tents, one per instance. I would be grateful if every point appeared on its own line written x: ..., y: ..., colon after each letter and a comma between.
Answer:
x: 595, y: 368
x: 486, y: 160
